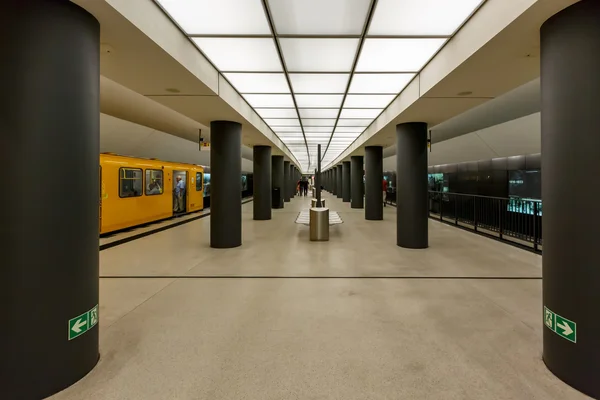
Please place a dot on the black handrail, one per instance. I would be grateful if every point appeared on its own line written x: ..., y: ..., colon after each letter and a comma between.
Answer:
x: 512, y: 219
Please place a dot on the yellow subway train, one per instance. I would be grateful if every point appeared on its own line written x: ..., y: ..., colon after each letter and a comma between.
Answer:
x: 137, y: 191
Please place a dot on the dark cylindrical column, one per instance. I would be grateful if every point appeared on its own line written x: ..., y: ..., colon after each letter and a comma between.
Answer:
x: 411, y: 186
x: 262, y: 182
x: 294, y: 179
x: 334, y: 181
x: 373, y: 183
x: 226, y: 197
x: 49, y: 233
x: 346, y: 181
x: 277, y: 180
x: 357, y: 185
x: 286, y: 181
x: 338, y: 180
x: 570, y: 85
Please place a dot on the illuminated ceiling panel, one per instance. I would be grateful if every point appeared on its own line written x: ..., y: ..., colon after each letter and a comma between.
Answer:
x: 379, y: 83
x: 318, y: 55
x: 319, y: 17
x: 258, y: 83
x: 397, y: 55
x: 319, y: 83
x: 241, y: 54
x: 420, y: 17
x: 227, y: 17
x: 269, y: 100
x: 296, y: 62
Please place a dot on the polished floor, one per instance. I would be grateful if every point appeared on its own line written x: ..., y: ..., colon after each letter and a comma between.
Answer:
x: 353, y: 318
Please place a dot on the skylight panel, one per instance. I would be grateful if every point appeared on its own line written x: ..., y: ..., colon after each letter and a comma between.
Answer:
x: 218, y: 17
x: 379, y: 83
x: 360, y: 113
x: 397, y: 55
x: 276, y: 112
x: 319, y: 17
x: 318, y: 112
x: 241, y: 54
x: 368, y: 100
x: 319, y: 100
x: 269, y: 100
x: 420, y: 17
x: 258, y: 83
x: 319, y: 83
x: 354, y: 122
x: 318, y: 122
x: 318, y: 55
x: 282, y: 122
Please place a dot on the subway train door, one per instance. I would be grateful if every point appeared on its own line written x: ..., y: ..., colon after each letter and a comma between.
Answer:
x: 180, y: 199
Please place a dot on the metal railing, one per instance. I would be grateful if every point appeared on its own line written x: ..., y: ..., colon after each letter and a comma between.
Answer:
x: 512, y: 219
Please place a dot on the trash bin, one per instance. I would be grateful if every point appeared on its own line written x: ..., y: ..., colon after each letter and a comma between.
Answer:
x: 313, y: 203
x: 319, y: 224
x: 276, y: 199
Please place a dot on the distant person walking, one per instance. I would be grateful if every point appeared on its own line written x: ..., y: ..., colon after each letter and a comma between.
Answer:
x: 385, y: 187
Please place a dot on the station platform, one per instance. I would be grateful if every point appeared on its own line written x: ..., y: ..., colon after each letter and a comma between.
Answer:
x: 354, y: 318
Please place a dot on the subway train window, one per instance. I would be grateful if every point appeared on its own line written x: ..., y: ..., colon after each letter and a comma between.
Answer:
x: 130, y: 182
x: 198, y: 181
x: 154, y: 182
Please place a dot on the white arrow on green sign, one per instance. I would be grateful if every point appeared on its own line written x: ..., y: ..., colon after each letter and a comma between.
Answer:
x: 563, y: 327
x: 83, y: 323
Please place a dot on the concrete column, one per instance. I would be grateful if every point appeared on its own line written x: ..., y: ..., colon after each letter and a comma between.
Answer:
x: 411, y: 183
x: 277, y: 180
x: 346, y: 181
x: 374, y: 183
x: 225, y: 194
x: 570, y: 86
x: 286, y: 181
x: 49, y: 232
x: 357, y: 185
x: 338, y: 180
x: 262, y: 183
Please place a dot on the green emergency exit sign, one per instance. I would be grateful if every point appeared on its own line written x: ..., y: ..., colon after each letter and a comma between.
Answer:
x: 563, y: 327
x: 83, y: 323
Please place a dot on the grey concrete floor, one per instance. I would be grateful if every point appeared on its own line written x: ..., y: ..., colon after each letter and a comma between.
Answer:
x: 352, y: 318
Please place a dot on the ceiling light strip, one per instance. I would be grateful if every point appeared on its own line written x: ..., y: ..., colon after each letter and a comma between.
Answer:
x: 285, y: 71
x: 361, y: 41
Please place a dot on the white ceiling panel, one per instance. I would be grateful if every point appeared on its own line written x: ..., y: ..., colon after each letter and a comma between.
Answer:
x: 355, y: 122
x: 397, y: 55
x: 319, y: 100
x: 319, y: 83
x: 318, y: 129
x: 269, y: 100
x: 319, y: 17
x: 241, y: 54
x: 368, y: 100
x: 420, y: 17
x: 282, y: 122
x: 318, y: 55
x: 379, y: 83
x: 277, y: 112
x: 258, y: 83
x: 222, y: 17
x: 318, y: 112
x: 318, y: 122
x: 360, y: 113
x: 348, y: 129
x: 282, y: 129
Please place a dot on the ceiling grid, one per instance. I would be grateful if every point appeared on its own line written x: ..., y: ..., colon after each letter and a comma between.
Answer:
x: 319, y: 71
